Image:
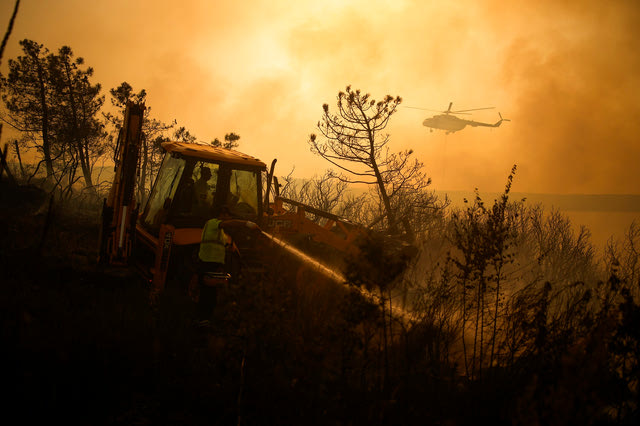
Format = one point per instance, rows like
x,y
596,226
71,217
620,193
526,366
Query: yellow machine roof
x,y
208,152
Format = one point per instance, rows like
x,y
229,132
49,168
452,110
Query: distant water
x,y
605,215
604,224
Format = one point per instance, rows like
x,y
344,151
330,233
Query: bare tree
x,y
354,141
483,239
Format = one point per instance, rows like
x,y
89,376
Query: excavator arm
x,y
336,232
119,212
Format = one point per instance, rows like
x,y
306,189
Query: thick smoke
x,y
575,88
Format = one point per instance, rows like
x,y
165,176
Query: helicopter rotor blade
x,y
439,111
448,110
423,109
474,109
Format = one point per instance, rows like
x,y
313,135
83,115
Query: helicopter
x,y
448,121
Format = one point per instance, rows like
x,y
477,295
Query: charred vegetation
x,y
85,344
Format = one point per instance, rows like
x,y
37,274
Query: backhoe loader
x,y
195,183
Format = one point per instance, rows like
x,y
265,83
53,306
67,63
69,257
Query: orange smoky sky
x,y
565,73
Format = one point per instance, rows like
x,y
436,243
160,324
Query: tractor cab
x,y
195,183
198,182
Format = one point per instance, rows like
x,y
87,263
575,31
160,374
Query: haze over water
x,y
605,215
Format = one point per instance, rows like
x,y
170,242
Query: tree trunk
x,y
393,227
81,143
17,148
9,29
84,165
46,143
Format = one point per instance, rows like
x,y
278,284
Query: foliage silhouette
x,y
354,142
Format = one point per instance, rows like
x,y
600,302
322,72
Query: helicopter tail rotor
x,y
500,121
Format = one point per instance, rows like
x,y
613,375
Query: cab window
x,y
201,186
242,199
163,191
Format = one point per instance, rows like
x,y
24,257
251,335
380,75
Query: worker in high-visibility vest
x,y
211,256
213,243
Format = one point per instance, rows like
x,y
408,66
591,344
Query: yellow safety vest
x,y
212,245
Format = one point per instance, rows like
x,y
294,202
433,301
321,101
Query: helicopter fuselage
x,y
447,122
451,123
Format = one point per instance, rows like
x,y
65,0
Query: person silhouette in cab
x,y
202,192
